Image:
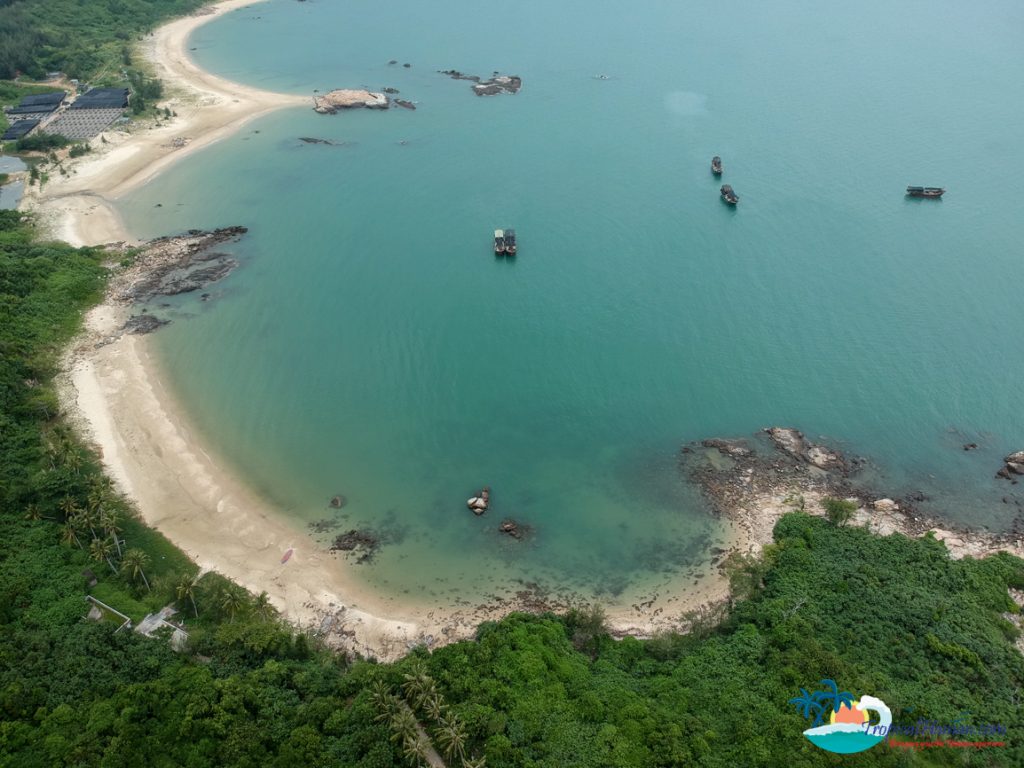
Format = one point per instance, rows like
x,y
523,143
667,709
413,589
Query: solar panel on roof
x,y
32,109
19,129
102,98
54,98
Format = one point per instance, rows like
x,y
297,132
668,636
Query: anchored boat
x,y
925,191
499,241
729,196
510,242
716,165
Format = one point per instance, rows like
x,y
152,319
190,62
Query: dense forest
x,y
85,39
892,617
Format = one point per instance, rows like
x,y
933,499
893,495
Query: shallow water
x,y
372,345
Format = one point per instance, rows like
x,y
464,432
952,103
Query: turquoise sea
x,y
372,345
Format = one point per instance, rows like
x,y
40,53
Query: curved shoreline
x,y
113,390
78,208
116,391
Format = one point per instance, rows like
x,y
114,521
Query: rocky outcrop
x,y
755,489
1013,467
495,85
363,543
173,265
478,504
792,441
346,98
140,324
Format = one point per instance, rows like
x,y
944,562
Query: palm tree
x,y
434,705
807,703
69,533
262,607
415,749
451,735
416,681
100,549
835,697
68,506
231,600
187,587
480,762
32,513
111,523
380,692
403,723
133,562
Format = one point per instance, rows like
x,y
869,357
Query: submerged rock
x,y
495,85
364,543
338,501
140,324
734,448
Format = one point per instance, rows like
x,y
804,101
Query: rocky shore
x,y
168,266
752,482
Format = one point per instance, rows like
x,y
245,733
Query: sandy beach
x,y
113,391
77,208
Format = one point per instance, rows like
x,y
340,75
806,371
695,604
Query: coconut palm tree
x,y
262,607
807,703
69,533
100,550
110,522
187,587
414,749
480,762
451,735
133,562
433,705
232,599
32,513
403,723
416,681
68,507
836,698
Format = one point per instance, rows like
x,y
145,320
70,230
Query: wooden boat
x,y
728,195
510,242
716,165
499,241
925,192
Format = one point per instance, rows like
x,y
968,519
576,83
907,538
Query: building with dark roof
x,y
102,98
18,130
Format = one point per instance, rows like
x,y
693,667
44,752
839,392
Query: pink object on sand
x,y
287,555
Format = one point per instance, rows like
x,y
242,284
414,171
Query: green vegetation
x,y
83,40
41,142
892,617
838,511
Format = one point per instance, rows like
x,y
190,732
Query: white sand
x,y
76,208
